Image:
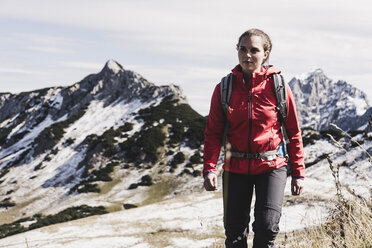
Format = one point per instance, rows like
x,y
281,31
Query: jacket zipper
x,y
270,144
250,109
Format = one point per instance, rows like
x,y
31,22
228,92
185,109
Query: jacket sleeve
x,y
295,146
213,133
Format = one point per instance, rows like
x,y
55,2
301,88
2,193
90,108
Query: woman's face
x,y
251,54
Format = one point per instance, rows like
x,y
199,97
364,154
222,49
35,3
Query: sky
x,y
47,43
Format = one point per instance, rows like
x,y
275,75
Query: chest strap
x,y
267,156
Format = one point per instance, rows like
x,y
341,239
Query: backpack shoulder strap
x,y
281,98
226,88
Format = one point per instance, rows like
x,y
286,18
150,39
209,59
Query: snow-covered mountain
x,y
321,101
116,140
107,138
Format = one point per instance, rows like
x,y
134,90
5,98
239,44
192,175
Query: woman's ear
x,y
266,56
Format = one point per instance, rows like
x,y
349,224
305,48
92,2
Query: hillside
x,y
195,220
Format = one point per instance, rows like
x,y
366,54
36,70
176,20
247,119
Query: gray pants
x,y
237,196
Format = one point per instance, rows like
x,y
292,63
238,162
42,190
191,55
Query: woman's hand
x,y
210,182
297,186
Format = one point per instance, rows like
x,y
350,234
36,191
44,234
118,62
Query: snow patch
x,y
360,104
57,100
68,174
6,122
98,118
185,242
16,129
29,137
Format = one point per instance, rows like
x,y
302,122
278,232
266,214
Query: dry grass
x,y
348,225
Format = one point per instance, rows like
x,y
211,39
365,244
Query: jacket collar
x,y
257,77
265,71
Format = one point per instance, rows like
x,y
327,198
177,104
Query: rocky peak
x,y
112,66
114,83
315,73
320,101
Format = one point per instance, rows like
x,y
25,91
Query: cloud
x,y
203,30
13,70
41,39
81,65
42,43
47,49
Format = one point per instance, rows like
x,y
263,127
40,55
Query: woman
x,y
253,127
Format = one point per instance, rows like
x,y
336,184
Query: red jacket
x,y
253,126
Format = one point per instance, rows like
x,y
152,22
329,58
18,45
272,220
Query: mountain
x,y
321,101
104,141
115,142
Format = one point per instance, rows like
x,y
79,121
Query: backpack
x,y
281,107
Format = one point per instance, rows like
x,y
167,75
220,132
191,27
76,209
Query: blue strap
x,y
206,174
281,150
